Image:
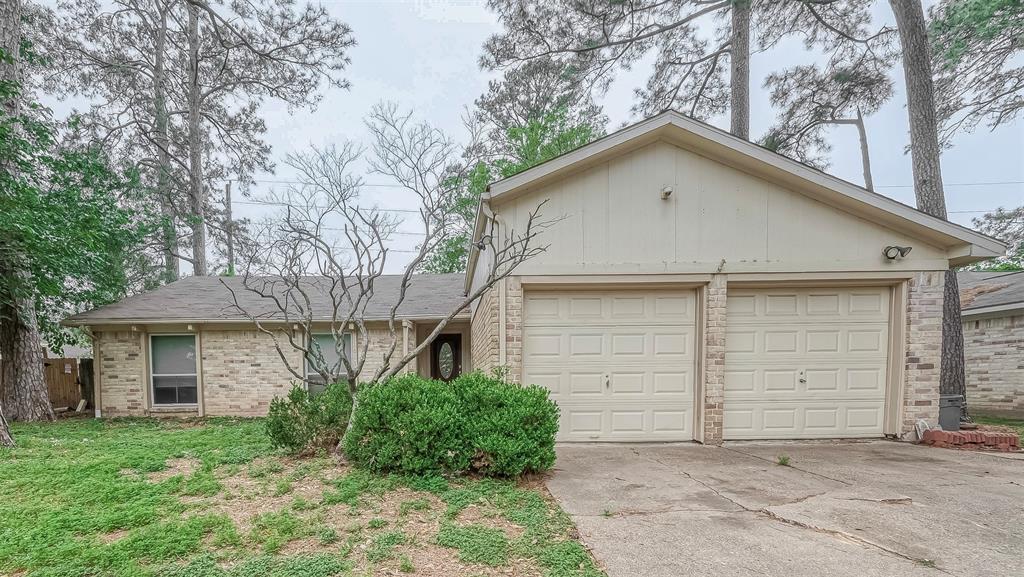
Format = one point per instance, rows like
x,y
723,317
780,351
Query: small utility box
x,y
949,412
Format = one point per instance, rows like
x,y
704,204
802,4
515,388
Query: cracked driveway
x,y
840,508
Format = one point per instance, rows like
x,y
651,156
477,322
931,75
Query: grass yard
x,y
212,499
1015,424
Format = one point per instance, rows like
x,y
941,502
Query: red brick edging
x,y
972,440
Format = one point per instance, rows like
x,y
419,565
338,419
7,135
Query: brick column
x,y
514,328
924,349
714,358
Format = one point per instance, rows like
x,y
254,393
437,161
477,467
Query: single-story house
x,y
993,320
696,287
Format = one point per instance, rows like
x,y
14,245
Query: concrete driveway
x,y
845,508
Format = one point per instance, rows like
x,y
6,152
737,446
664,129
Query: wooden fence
x,y
62,380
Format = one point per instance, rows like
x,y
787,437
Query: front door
x,y
446,357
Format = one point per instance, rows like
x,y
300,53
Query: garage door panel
x,y
609,308
620,364
851,381
625,422
559,346
806,363
798,340
758,419
637,382
815,305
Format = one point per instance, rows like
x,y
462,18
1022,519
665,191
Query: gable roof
x,y
965,245
983,292
203,299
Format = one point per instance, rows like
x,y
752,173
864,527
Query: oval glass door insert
x,y
446,360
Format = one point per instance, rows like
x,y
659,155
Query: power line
x,y
993,183
273,203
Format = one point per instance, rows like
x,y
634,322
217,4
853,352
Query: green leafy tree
x,y
1008,226
976,57
66,234
542,138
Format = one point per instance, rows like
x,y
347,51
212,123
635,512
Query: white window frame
x,y
152,388
305,358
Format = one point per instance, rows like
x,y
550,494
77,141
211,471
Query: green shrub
x,y
305,422
475,423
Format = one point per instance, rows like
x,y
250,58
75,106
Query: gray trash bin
x,y
949,412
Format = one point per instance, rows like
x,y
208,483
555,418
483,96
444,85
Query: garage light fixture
x,y
483,242
894,252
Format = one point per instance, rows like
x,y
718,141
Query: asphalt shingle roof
x,y
981,289
199,299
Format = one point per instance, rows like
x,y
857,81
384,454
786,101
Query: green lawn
x,y
1017,424
211,498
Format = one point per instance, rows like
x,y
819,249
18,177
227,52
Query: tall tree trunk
x,y
24,393
197,197
163,179
6,440
925,157
739,82
26,397
865,158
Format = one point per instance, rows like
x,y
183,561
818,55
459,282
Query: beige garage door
x,y
806,363
619,364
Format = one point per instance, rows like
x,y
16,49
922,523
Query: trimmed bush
x,y
475,423
305,422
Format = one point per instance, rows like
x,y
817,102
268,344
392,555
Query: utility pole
x,y
230,229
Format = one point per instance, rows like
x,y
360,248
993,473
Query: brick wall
x,y
714,358
484,332
924,349
514,328
242,371
122,373
994,359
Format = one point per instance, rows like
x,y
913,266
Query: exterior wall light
x,y
666,192
894,252
483,242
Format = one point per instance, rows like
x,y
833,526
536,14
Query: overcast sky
x,y
423,55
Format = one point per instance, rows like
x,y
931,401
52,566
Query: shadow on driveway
x,y
839,508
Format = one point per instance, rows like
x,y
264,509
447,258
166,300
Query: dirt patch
x,y
243,498
489,517
436,561
113,536
184,466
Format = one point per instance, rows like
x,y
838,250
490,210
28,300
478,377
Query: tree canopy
x,y
67,219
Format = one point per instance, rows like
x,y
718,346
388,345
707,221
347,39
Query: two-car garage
x,y
622,365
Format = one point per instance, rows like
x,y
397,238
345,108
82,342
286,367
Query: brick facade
x,y
924,349
714,358
514,328
994,360
484,332
241,371
122,369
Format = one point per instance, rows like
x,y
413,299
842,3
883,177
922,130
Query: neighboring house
x,y
993,321
696,287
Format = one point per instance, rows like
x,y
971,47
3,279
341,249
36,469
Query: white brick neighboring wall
x,y
924,349
994,361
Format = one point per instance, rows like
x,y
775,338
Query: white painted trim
x,y
241,323
993,309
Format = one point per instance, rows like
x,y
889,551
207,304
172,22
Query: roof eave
x,y
73,322
995,310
